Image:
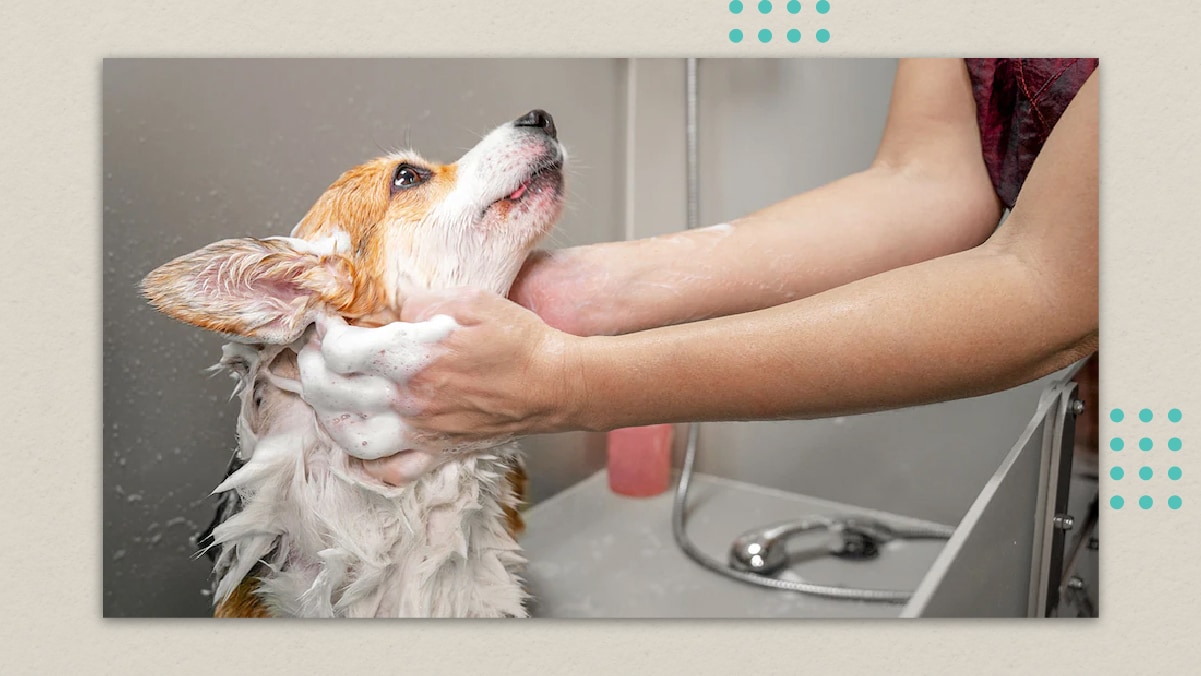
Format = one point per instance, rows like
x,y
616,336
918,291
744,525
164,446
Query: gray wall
x,y
199,150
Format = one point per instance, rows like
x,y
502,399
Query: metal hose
x,y
679,506
681,538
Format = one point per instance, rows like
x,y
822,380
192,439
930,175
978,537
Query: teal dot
x,y
794,35
1145,415
1174,473
1144,443
736,8
1174,415
1116,502
1174,444
764,35
823,35
764,7
794,7
1145,474
1117,473
1116,415
1145,502
823,7
1117,444
1174,502
735,35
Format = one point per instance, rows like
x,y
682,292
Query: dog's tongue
x,y
516,194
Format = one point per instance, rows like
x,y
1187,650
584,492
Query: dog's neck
x,y
328,541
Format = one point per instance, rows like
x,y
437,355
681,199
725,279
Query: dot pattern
x,y
766,8
1146,473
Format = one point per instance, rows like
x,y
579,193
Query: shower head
x,y
764,551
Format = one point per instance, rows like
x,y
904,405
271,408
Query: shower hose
x,y
679,506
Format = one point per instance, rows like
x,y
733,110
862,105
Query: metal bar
x,y
691,132
1059,521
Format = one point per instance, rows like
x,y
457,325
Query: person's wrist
x,y
567,405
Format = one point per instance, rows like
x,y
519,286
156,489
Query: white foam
x,y
350,375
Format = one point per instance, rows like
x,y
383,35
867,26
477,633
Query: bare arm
x,y
1018,307
926,327
927,194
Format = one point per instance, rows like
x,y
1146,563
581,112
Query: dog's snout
x,y
539,119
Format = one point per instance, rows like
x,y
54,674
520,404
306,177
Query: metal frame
x,y
998,563
1053,521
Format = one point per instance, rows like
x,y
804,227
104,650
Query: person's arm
x,y
926,194
1019,307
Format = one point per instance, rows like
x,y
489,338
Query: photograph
x,y
612,338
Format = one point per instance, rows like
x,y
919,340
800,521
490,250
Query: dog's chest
x,y
439,548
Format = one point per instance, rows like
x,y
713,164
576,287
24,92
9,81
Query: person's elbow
x,y
959,207
1058,273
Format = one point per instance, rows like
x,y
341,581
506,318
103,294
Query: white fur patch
x,y
337,544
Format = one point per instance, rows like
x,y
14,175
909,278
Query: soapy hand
x,y
349,374
502,372
455,371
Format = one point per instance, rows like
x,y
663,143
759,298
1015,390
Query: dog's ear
x,y
264,290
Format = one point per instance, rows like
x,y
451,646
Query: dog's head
x,y
391,224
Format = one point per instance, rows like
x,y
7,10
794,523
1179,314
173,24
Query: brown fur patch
x,y
361,204
243,602
520,482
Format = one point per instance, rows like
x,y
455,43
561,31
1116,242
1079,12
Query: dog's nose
x,y
539,119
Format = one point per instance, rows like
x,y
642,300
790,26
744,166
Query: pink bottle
x,y
640,460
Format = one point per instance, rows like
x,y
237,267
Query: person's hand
x,y
503,372
552,285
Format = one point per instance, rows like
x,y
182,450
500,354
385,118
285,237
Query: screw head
x,y
1077,407
1064,521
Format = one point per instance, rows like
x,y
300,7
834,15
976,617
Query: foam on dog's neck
x,y
349,376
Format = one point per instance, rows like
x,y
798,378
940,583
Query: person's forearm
x,y
869,222
1019,307
963,325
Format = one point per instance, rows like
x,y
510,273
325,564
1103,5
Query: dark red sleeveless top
x,y
1018,102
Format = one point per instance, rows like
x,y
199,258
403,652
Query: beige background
x,y
50,188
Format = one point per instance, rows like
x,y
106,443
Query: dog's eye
x,y
406,176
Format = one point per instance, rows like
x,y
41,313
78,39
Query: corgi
x,y
303,530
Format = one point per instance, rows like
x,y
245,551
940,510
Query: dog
x,y
303,530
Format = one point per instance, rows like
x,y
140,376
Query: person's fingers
x,y
384,470
419,306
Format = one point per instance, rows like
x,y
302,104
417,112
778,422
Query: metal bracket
x,y
1053,521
